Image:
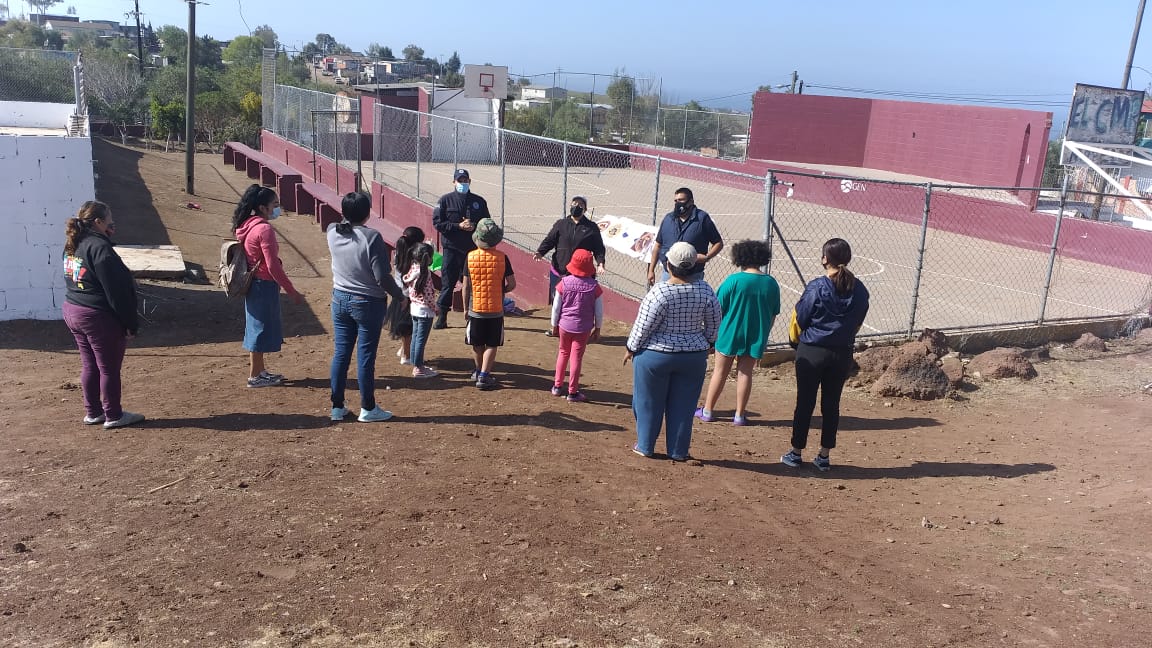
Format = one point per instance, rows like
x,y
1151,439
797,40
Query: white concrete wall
x,y
43,182
26,114
479,142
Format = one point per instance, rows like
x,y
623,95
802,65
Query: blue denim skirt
x,y
263,332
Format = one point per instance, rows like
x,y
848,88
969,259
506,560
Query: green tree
x,y
453,64
533,121
42,6
326,43
378,52
569,122
244,51
413,53
167,119
209,53
215,112
173,44
22,34
267,36
622,96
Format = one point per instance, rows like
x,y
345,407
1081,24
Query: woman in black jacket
x,y
100,310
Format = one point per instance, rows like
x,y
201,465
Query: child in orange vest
x,y
487,277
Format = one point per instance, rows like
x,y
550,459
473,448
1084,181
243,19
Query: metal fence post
x,y
455,146
656,192
769,210
565,181
360,155
920,258
503,174
418,144
1052,251
377,124
314,177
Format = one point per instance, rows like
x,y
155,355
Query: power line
x,y
1006,100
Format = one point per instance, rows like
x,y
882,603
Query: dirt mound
x,y
1002,363
913,373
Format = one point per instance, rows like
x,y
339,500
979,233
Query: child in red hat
x,y
577,314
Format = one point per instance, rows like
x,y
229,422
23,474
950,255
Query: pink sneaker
x,y
424,372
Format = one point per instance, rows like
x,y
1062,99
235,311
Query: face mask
x,y
680,209
576,211
462,187
275,214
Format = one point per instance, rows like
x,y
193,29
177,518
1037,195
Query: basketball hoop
x,y
486,83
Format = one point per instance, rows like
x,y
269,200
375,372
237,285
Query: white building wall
x,y
479,139
43,182
27,114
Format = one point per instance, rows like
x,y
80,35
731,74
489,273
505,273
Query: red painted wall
x,y
969,144
809,128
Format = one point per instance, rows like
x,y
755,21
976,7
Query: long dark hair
x,y
404,245
356,208
422,257
80,225
254,197
837,254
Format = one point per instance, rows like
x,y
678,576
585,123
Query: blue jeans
x,y
421,327
665,388
356,320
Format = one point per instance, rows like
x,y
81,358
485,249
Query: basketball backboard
x,y
486,81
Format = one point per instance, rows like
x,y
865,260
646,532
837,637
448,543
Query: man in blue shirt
x,y
686,222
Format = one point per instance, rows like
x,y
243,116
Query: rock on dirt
x,y
1089,342
1002,363
953,368
913,373
936,342
872,362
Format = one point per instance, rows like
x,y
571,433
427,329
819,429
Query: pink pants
x,y
570,356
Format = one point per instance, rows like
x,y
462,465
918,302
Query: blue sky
x,y
1007,50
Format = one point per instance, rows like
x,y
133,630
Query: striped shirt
x,y
676,318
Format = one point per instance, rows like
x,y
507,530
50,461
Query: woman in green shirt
x,y
750,301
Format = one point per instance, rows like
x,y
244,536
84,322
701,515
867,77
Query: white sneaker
x,y
424,372
126,419
338,413
374,415
93,420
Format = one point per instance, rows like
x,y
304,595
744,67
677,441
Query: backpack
x,y
235,275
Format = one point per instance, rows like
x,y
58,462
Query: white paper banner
x,y
628,236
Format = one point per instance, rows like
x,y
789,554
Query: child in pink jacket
x,y
577,314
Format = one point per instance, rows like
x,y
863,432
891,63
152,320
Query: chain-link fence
x,y
43,76
327,124
950,257
707,132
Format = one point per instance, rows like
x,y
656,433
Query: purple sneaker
x,y
576,397
739,420
707,418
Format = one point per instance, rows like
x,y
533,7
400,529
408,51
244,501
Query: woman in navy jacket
x,y
829,313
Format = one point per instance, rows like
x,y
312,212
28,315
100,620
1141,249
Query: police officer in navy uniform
x,y
455,218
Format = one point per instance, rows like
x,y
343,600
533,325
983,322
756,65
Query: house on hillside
x,y
105,29
542,93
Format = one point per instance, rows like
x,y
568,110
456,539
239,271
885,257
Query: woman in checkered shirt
x,y
669,346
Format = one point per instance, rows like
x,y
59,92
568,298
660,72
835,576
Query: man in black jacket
x,y
455,218
575,232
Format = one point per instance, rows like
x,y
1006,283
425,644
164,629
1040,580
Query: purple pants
x,y
101,340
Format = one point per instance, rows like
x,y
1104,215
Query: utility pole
x,y
139,38
190,106
795,78
1132,46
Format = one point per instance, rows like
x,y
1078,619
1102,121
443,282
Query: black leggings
x,y
825,369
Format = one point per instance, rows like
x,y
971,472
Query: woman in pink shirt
x,y
263,332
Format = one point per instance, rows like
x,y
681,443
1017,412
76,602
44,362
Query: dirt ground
x,y
1017,514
